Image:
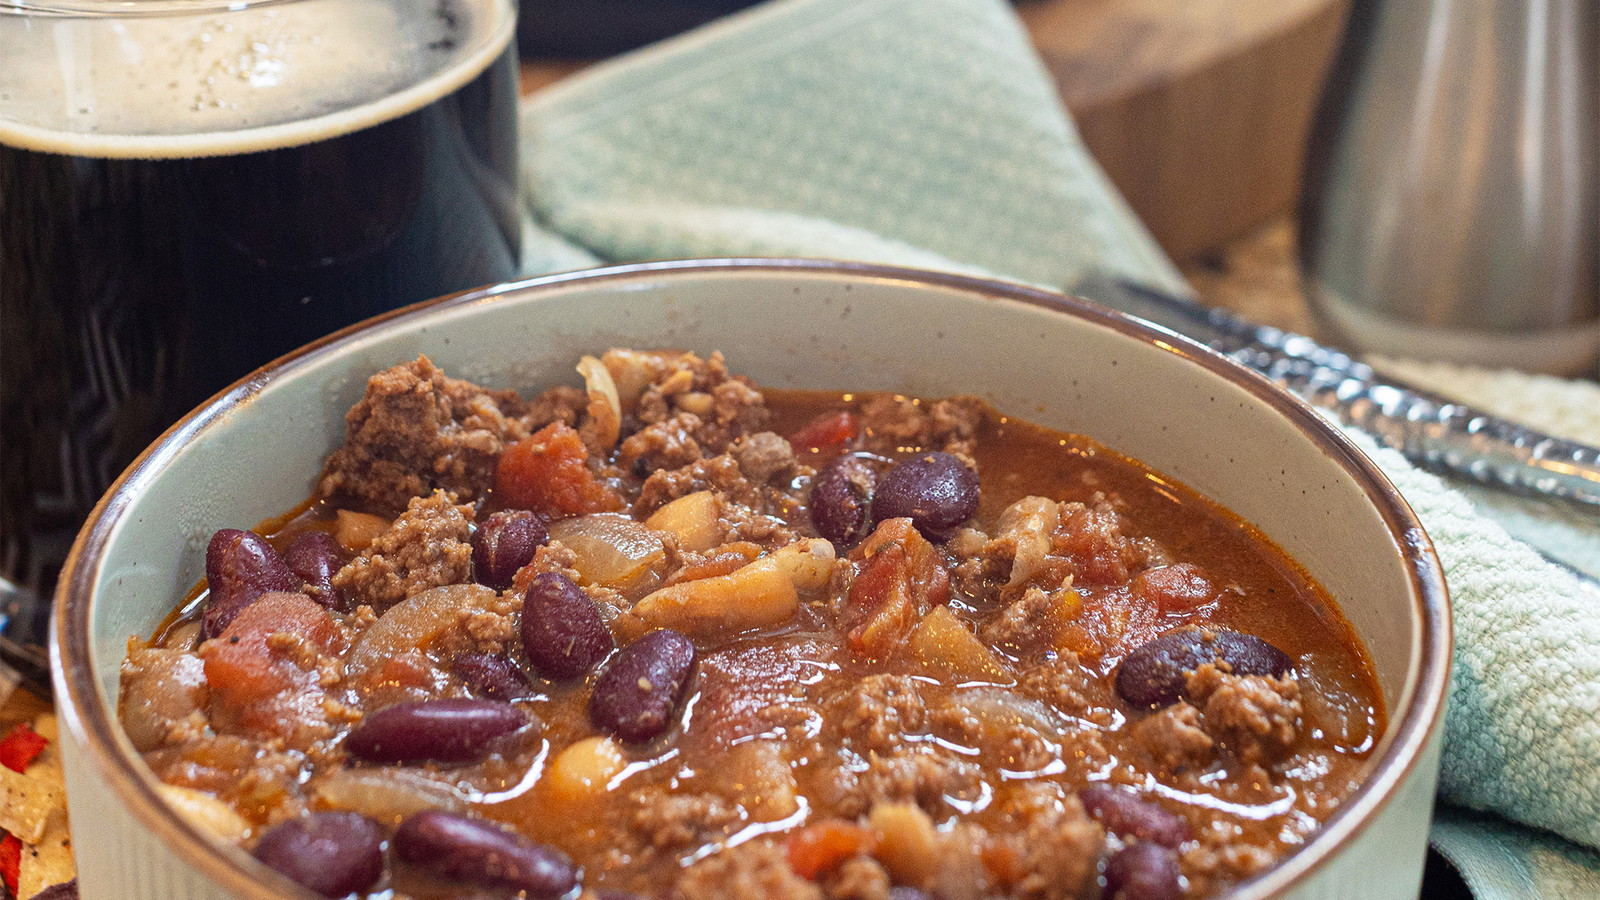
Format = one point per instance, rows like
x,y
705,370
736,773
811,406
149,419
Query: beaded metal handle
x,y
1431,431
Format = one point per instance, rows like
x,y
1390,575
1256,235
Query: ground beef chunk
x,y
426,547
1022,749
715,407
651,407
678,821
562,403
857,878
668,444
1218,856
879,712
1175,738
1255,717
1030,624
718,473
164,697
737,409
1088,747
1065,684
955,723
767,531
416,431
921,776
1055,844
755,869
554,557
889,421
765,457
956,421
750,512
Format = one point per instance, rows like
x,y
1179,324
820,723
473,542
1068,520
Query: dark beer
x,y
142,271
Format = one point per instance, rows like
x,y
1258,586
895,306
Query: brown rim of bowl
x,y
1395,757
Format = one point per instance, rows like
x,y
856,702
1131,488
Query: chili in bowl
x,y
657,628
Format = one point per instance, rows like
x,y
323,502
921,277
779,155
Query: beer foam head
x,y
230,81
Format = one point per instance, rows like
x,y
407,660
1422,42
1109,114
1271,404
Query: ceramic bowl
x,y
255,450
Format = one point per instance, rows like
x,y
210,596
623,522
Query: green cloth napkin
x,y
918,132
927,133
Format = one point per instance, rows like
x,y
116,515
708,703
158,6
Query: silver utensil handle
x,y
1441,434
1430,430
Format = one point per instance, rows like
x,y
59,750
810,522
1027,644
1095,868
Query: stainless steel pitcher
x,y
1450,205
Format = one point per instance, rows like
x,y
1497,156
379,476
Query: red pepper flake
x,y
10,861
20,747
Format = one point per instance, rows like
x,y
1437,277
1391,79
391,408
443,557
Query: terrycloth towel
x,y
927,133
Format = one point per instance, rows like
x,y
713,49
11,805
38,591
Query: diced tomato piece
x,y
259,687
1178,588
1092,538
548,472
901,578
833,429
740,686
822,846
20,746
10,861
243,668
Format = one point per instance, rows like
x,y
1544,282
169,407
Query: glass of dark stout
x,y
190,188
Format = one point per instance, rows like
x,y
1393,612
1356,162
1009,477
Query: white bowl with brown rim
x,y
255,451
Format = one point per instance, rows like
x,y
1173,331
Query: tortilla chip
x,y
45,725
27,799
26,802
48,862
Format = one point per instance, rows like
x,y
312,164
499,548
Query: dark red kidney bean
x,y
315,557
639,693
490,675
452,730
1152,675
1125,814
483,853
332,853
838,502
563,634
935,490
1143,871
240,567
504,543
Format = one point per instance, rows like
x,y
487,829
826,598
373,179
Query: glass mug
x,y
190,188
